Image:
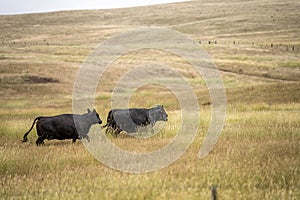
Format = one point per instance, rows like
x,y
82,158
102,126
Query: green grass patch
x,y
291,64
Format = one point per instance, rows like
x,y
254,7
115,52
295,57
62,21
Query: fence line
x,y
271,45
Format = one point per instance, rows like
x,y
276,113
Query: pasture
x,y
256,46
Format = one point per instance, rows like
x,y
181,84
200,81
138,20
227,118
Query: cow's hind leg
x,y
107,130
111,131
116,132
40,140
41,137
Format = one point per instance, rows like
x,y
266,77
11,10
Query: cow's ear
x,y
88,110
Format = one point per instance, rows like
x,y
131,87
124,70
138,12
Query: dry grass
x,y
257,155
254,158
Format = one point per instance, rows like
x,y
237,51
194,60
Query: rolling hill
x,y
256,47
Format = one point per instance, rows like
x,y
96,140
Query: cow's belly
x,y
60,136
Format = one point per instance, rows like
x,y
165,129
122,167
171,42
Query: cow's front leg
x,y
87,138
75,136
74,139
152,129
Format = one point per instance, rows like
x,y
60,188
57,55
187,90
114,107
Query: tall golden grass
x,y
257,155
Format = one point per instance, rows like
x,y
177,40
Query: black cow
x,y
63,126
130,119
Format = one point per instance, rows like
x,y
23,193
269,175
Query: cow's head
x,y
158,113
94,117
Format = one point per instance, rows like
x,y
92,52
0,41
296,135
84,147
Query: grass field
x,y
256,46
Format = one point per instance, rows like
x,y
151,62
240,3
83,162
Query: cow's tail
x,y
108,121
104,125
25,135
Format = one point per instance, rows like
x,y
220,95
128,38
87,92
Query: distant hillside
x,y
253,43
275,20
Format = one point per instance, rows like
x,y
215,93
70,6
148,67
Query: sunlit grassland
x,y
255,157
257,154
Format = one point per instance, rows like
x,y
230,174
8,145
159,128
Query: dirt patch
x,y
38,80
16,80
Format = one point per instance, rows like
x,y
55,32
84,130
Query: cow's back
x,y
129,119
57,127
140,116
